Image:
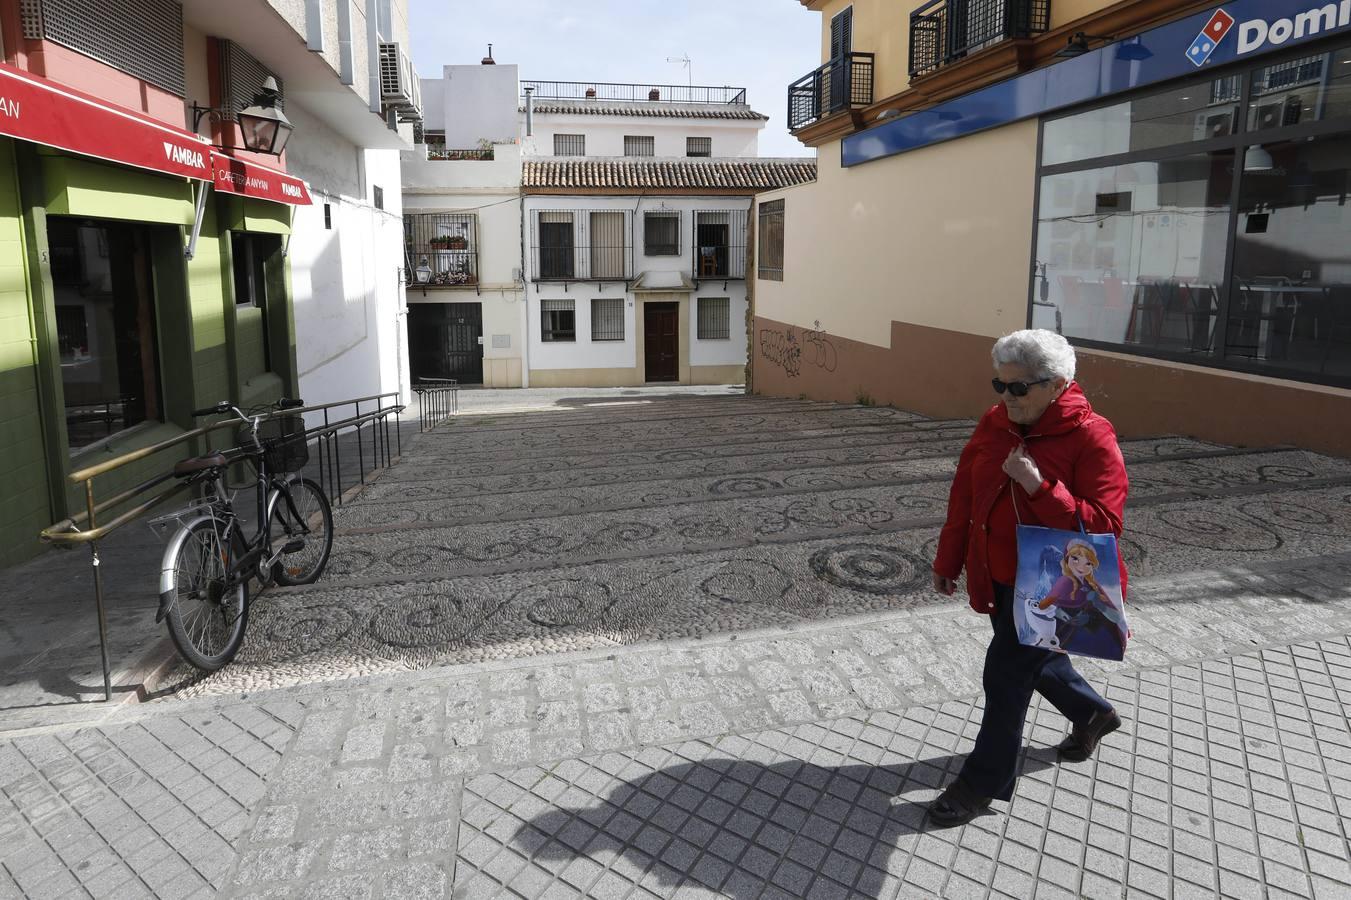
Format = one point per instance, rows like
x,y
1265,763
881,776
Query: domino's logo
x,y
1210,38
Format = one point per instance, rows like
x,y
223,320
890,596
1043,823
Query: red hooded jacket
x,y
1083,478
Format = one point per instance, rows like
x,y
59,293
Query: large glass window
x,y
1134,254
1290,297
1233,252
106,329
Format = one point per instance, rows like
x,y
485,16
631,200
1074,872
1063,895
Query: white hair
x,y
1043,353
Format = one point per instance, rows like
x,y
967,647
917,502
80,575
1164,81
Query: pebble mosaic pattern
x,y
505,536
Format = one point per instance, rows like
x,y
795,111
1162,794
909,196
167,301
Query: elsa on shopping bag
x,y
1087,619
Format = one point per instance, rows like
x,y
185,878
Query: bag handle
x,y
1013,495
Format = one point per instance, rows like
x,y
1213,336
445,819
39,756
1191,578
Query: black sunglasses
x,y
1016,388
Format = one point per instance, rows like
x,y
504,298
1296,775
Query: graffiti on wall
x,y
784,349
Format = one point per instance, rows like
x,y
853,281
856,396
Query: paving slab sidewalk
x,y
771,765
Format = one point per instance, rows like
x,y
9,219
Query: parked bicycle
x,y
207,566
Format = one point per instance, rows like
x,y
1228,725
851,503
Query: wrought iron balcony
x,y
843,83
943,32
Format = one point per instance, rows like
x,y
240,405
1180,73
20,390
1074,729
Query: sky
x,y
761,45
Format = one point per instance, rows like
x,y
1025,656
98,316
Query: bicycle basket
x,y
284,446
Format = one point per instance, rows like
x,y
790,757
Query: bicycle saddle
x,y
186,467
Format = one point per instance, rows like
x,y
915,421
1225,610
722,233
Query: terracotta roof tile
x,y
751,174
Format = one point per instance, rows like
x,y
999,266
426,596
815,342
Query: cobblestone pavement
x,y
641,518
757,714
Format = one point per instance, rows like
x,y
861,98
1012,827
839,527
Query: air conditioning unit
x,y
400,88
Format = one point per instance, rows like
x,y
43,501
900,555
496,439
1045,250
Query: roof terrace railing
x,y
664,93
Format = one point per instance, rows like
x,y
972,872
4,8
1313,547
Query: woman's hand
x,y
1023,469
945,586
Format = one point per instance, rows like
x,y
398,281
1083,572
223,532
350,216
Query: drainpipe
x,y
529,111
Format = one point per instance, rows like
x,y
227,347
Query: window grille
x,y
638,145
769,241
582,244
661,234
720,243
715,319
569,145
558,321
698,146
607,319
445,243
378,196
143,38
241,79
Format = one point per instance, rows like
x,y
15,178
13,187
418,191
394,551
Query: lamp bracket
x,y
201,112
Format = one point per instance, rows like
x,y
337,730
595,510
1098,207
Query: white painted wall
x,y
588,354
605,134
350,340
472,103
490,190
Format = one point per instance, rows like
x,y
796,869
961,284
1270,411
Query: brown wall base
x,y
946,374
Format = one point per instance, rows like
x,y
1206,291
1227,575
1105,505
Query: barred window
x,y
769,241
607,319
715,315
639,145
569,145
661,234
698,146
558,321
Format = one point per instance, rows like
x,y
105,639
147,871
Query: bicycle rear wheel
x,y
206,620
306,525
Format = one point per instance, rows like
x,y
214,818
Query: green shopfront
x,y
128,297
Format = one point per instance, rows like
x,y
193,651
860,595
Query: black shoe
x,y
957,805
1084,739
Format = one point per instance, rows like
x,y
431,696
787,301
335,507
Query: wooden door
x,y
661,341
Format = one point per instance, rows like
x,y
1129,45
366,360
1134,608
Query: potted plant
x,y
457,242
591,93
654,94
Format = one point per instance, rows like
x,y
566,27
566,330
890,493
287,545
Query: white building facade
x,y
462,231
635,227
353,99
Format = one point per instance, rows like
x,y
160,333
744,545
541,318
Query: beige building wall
x,y
938,237
881,27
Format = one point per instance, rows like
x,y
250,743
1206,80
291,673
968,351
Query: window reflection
x,y
1135,254
105,322
1309,89
1290,303
1197,112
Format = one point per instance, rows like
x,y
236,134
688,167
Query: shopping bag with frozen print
x,y
1068,593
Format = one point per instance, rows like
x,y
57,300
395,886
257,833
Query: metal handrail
x,y
618,91
84,528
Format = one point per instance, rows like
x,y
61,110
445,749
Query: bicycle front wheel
x,y
302,528
206,619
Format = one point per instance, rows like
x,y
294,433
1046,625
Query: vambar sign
x,y
1257,33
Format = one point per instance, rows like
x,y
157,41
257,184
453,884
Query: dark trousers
x,y
1012,673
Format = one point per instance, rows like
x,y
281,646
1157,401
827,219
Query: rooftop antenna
x,y
687,63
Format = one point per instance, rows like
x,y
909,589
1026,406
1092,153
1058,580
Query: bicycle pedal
x,y
294,545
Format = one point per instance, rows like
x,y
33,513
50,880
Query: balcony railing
x,y
943,32
581,245
719,244
443,248
665,93
843,83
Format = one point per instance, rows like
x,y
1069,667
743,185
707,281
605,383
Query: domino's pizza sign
x,y
1258,33
1210,37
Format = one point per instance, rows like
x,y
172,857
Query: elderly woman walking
x,y
1040,457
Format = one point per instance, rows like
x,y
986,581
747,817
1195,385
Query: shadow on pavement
x,y
737,826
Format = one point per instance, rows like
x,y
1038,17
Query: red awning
x,y
35,109
234,176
